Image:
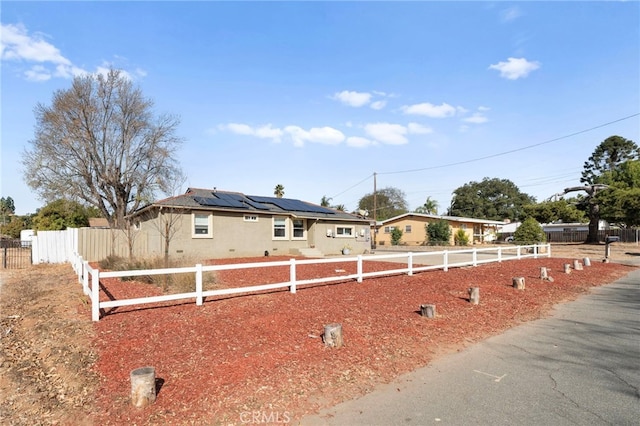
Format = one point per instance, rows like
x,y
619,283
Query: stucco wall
x,y
232,236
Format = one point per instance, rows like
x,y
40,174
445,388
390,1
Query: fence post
x,y
359,268
475,257
4,258
292,276
410,264
445,260
199,284
85,278
499,254
95,295
548,249
518,252
535,251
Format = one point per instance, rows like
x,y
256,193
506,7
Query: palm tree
x,y
278,191
429,207
325,201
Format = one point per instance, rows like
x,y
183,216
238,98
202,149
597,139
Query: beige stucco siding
x,y
230,235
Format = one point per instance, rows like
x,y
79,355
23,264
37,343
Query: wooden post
x,y
543,273
143,386
577,265
474,295
567,268
518,283
428,311
587,261
332,335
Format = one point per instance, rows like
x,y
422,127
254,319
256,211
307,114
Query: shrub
x,y
438,233
529,232
396,236
173,283
461,238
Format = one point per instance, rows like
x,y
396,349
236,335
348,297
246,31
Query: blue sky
x,y
320,96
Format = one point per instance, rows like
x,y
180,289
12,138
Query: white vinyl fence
x,y
90,277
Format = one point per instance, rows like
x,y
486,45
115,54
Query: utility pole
x,y
375,211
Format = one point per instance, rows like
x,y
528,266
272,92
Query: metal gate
x,y
16,254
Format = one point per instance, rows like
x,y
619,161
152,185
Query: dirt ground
x,y
237,356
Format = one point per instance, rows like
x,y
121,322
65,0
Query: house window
x,y
250,218
388,229
202,224
407,229
463,226
279,228
344,231
298,229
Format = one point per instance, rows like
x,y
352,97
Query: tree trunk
x,y
428,311
143,386
594,222
544,274
567,268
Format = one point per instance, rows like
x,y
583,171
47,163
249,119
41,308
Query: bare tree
x,y
99,143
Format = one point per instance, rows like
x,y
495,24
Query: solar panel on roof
x,y
219,202
291,204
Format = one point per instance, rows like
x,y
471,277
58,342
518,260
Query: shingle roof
x,y
212,199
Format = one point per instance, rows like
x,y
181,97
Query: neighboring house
x,y
413,226
208,223
98,222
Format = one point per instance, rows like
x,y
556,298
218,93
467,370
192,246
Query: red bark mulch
x,y
264,352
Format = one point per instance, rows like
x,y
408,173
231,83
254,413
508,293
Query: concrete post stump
x,y
143,386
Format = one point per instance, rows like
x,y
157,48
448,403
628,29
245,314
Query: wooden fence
x,y
93,244
90,277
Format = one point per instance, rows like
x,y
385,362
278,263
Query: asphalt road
x,y
581,366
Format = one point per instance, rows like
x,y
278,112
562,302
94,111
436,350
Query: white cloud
x,y
515,68
17,45
323,135
476,118
430,110
483,108
419,129
264,132
510,14
354,99
387,133
358,142
378,105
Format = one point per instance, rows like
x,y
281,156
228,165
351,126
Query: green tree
x,y
389,202
278,191
7,209
554,211
492,199
620,203
61,214
438,232
99,143
325,201
529,232
396,236
603,166
13,228
430,206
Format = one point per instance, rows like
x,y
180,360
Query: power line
x,y
492,155
511,151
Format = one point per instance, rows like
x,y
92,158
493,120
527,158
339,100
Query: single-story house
x,y
414,233
209,223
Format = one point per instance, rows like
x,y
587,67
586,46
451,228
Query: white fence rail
x,y
90,277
